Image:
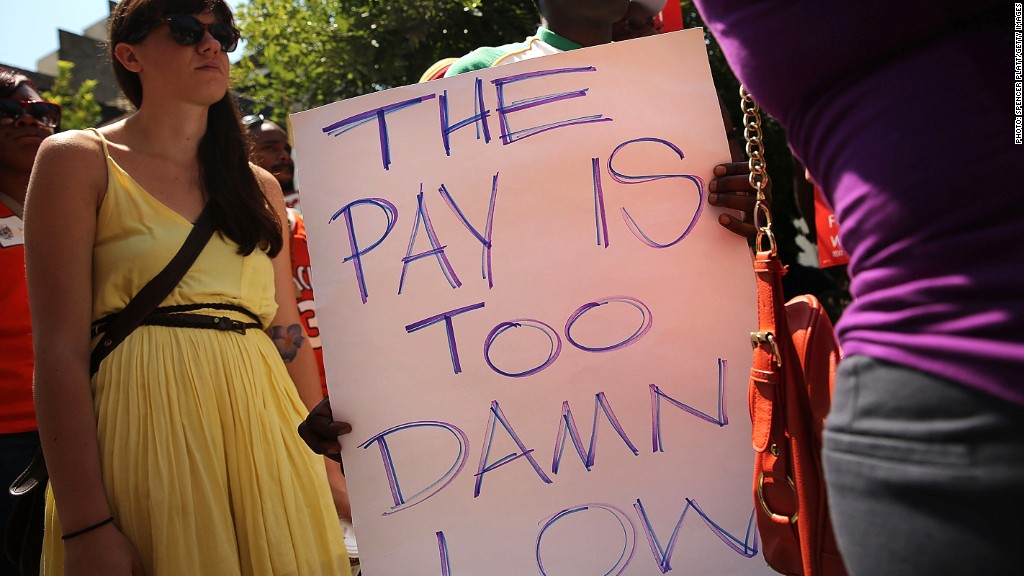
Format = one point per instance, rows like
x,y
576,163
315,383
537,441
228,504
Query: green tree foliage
x,y
79,106
305,53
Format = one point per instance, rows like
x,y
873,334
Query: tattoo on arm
x,y
288,340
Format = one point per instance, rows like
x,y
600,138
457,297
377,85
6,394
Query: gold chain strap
x,y
758,169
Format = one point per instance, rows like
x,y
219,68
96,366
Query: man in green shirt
x,y
564,25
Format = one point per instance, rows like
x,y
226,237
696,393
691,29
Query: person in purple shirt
x,y
903,111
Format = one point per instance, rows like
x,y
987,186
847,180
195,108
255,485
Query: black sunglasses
x,y
46,113
189,31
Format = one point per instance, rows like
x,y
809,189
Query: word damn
x,y
497,422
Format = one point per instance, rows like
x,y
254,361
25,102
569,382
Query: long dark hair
x,y
239,208
10,80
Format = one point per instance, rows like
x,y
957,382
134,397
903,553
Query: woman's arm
x,y
290,337
65,191
286,328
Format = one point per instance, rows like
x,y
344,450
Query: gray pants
x,y
925,476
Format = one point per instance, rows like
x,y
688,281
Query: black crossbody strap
x,y
154,292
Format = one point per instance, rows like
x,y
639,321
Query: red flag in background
x,y
671,17
830,252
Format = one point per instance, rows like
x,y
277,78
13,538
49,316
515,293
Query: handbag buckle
x,y
758,338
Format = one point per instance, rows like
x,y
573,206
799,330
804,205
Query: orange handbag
x,y
790,393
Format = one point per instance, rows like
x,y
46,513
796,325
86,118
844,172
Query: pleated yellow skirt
x,y
203,468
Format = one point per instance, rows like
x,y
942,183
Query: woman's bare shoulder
x,y
72,149
266,180
269,185
70,166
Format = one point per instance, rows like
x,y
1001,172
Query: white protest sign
x,y
532,319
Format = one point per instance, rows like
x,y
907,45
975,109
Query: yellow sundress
x,y
204,471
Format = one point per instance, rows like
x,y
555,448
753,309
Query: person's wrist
x,y
87,529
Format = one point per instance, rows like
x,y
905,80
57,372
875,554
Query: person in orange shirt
x,y
271,150
25,120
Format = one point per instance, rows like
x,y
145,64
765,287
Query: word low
x,y
572,558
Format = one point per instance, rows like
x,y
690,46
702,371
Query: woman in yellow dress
x,y
179,456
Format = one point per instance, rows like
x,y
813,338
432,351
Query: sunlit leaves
x,y
304,53
79,108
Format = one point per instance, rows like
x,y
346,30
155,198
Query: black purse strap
x,y
150,296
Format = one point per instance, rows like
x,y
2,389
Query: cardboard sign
x,y
532,319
